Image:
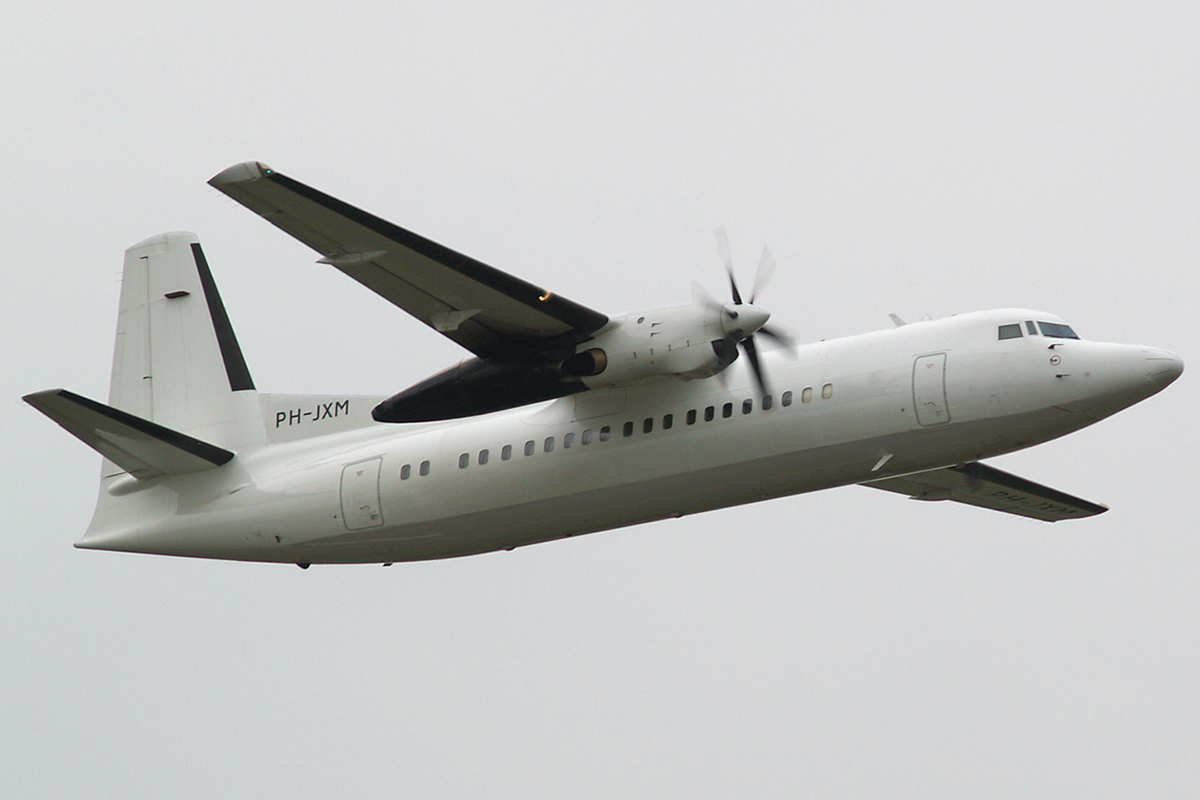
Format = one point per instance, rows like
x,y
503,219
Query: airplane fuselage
x,y
844,411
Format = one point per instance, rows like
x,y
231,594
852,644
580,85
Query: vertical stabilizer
x,y
176,361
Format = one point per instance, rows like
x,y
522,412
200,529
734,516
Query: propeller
x,y
742,320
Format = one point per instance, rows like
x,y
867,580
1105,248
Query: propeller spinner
x,y
742,320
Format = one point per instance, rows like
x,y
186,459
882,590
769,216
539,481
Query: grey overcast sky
x,y
917,158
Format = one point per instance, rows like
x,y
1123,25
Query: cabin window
x,y
424,470
1057,331
463,460
691,416
827,391
708,414
786,399
1012,331
1029,326
483,457
628,431
548,445
766,402
586,436
668,421
747,406
727,410
406,472
506,452
605,433
568,440
806,395
530,446
647,424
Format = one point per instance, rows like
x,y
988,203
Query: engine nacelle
x,y
695,341
688,342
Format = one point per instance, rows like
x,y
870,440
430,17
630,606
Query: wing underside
x,y
980,485
488,311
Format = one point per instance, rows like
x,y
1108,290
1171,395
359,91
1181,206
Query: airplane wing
x,y
978,484
489,312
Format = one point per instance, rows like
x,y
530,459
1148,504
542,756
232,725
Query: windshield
x,y
1057,330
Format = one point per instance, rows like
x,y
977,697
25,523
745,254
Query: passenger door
x,y
929,390
360,495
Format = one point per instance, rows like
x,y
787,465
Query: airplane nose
x,y
1164,366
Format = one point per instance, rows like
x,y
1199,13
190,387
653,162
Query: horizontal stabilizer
x,y
142,448
977,484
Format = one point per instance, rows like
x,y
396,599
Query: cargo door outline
x,y
360,495
929,390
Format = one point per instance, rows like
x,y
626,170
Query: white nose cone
x,y
742,321
1164,366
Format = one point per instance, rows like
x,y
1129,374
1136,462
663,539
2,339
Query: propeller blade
x,y
766,268
755,366
723,247
735,327
723,379
784,338
702,297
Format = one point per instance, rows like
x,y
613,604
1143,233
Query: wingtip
x,y
36,399
240,173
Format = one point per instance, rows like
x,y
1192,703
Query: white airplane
x,y
565,421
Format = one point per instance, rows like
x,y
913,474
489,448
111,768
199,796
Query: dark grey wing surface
x,y
487,311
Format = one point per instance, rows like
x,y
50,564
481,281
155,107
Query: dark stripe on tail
x,y
231,353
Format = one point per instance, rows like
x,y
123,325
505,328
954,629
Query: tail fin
x,y
176,361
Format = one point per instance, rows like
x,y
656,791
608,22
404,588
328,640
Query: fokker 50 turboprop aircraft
x,y
564,421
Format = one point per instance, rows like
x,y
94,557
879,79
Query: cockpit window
x,y
1010,331
1029,326
1056,330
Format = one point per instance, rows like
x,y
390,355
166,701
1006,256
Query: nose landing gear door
x,y
929,390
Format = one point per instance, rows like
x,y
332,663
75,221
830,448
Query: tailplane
x,y
182,409
181,398
176,361
139,447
